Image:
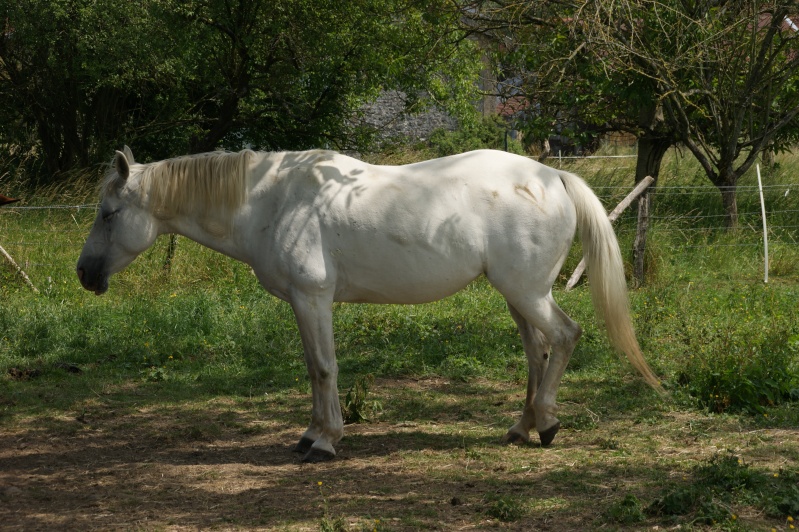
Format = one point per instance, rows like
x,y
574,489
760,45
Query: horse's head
x,y
123,229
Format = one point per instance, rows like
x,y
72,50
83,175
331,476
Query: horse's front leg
x,y
314,314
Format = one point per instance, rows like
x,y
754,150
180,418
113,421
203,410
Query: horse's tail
x,y
606,273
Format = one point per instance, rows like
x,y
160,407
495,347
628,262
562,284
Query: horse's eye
x,y
107,217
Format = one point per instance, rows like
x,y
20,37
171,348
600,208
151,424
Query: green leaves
x,y
78,79
356,408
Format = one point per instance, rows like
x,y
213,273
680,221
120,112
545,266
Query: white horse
x,y
318,227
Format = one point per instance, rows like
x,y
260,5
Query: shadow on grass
x,y
152,474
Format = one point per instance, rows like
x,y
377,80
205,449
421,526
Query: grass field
x,y
171,402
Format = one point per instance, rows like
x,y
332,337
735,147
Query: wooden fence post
x,y
623,204
170,253
639,244
19,270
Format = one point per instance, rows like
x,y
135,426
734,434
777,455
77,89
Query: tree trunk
x,y
221,124
767,157
651,150
730,201
210,140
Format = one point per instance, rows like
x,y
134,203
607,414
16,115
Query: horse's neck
x,y
209,234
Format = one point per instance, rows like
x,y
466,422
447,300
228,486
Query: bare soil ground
x,y
226,464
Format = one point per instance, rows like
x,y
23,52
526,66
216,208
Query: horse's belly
x,y
400,293
406,275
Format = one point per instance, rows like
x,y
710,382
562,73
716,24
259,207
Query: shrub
x,y
490,132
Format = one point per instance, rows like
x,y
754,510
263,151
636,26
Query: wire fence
x,y
47,239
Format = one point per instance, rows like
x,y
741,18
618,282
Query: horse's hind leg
x,y
537,352
562,333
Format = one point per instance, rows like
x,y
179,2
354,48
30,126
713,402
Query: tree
x,y
719,77
169,76
724,73
293,73
543,54
68,81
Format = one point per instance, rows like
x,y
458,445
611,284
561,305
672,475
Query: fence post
x,y
22,274
639,245
170,253
765,228
623,204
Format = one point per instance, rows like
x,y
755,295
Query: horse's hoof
x,y
548,435
303,446
512,438
314,456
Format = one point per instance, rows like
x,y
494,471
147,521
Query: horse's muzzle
x,y
91,276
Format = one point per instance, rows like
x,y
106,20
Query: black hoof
x,y
303,446
548,435
514,438
314,456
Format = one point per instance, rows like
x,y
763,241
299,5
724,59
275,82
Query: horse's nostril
x,y
80,274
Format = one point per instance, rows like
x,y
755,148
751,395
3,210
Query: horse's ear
x,y
121,165
128,154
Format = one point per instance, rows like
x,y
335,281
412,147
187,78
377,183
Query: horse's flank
x,y
208,185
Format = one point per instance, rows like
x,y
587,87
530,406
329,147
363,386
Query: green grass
x,y
206,353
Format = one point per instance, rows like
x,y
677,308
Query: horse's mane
x,y
207,185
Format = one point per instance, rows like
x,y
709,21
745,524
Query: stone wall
x,y
387,114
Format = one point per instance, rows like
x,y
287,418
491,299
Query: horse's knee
x,y
323,370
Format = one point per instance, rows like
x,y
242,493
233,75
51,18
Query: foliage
x,y
330,524
725,76
505,507
487,133
747,370
735,345
168,77
356,407
724,384
542,55
720,79
73,75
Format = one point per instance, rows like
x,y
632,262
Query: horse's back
x,y
422,231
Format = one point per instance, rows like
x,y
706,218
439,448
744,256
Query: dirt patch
x,y
227,464
115,478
